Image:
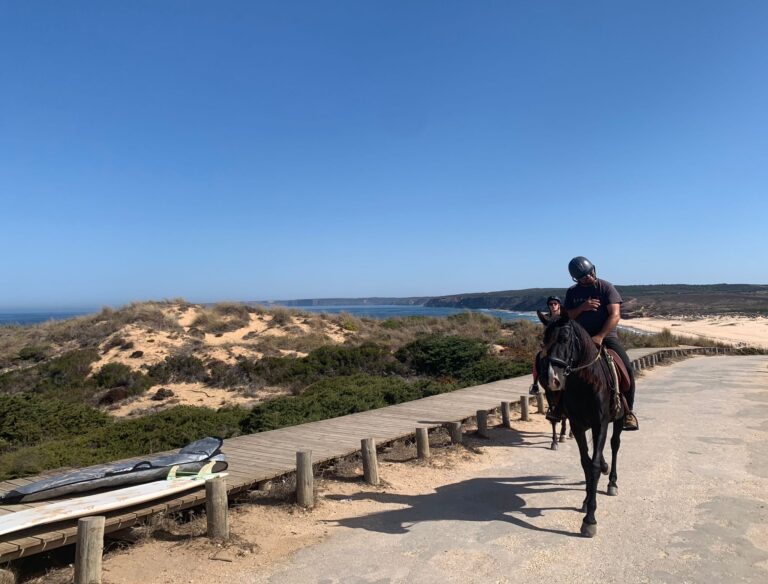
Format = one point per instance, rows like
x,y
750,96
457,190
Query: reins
x,y
569,368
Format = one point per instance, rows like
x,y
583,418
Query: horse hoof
x,y
554,446
562,438
613,490
588,529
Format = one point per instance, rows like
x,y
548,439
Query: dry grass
x,y
223,318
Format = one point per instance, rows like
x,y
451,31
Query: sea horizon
x,y
29,316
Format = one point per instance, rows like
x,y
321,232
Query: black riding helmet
x,y
579,267
554,299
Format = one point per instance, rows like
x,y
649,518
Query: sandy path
x,y
693,506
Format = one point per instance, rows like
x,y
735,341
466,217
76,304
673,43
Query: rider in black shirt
x,y
596,305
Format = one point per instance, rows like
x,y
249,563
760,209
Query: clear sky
x,y
276,150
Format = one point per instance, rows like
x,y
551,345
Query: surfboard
x,y
103,502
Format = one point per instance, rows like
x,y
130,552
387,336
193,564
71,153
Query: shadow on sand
x,y
480,499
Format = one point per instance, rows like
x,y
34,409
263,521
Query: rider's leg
x,y
535,387
630,420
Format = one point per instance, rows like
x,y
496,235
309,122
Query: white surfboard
x,y
103,502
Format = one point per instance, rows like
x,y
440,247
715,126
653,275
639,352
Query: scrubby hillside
x,y
154,376
128,381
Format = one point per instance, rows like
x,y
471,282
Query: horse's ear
x,y
542,317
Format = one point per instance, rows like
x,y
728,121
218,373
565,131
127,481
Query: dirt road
x,y
692,504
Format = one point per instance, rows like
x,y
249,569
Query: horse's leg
x,y
554,436
562,431
599,434
603,464
613,487
586,462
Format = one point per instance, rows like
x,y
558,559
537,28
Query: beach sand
x,y
735,330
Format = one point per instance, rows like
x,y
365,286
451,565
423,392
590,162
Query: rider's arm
x,y
614,315
588,305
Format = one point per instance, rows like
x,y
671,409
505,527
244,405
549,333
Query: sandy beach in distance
x,y
735,330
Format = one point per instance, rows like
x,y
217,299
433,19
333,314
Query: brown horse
x,y
569,362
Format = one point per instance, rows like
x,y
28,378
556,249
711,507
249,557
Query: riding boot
x,y
630,422
534,389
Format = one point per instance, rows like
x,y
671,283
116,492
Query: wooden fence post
x,y
505,421
370,462
217,508
454,428
305,481
88,550
524,408
482,423
422,443
540,403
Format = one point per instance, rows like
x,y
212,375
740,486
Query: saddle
x,y
621,370
620,385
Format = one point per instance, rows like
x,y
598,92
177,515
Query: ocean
x,y
365,310
20,317
390,311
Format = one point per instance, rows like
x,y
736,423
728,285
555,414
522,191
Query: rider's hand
x,y
590,305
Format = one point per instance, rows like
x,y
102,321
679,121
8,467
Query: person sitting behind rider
x,y
596,305
553,305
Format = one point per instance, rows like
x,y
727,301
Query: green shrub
x,y
29,419
91,443
243,373
327,361
36,353
330,398
490,369
119,375
20,380
178,369
442,355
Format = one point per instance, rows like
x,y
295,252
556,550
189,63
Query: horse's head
x,y
564,347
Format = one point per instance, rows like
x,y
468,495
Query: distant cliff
x,y
522,300
377,301
661,299
650,300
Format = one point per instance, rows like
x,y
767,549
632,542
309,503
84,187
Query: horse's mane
x,y
597,373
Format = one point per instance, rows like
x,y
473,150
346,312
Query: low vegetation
x,y
59,379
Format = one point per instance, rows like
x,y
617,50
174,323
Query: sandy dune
x,y
735,330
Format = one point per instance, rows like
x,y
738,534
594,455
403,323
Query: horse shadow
x,y
479,499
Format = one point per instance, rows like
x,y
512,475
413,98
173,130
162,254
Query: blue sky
x,y
265,150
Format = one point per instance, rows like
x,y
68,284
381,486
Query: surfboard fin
x,y
172,473
206,470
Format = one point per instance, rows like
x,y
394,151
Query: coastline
x,y
734,330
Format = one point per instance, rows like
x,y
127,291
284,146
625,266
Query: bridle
x,y
568,367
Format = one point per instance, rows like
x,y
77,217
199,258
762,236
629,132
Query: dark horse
x,y
570,362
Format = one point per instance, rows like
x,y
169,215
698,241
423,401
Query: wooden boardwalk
x,y
259,457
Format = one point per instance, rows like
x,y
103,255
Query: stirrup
x,y
534,389
630,422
